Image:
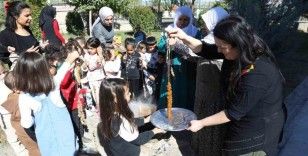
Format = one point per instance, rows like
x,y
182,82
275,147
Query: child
x,y
11,105
54,57
118,130
131,67
113,63
152,53
95,61
72,93
146,77
161,70
139,35
5,116
141,49
3,70
41,98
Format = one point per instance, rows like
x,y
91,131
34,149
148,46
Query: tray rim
x,y
176,108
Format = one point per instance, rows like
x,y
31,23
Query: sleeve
x,y
253,87
143,138
139,121
26,105
117,65
209,51
67,80
61,74
181,49
98,34
4,43
56,29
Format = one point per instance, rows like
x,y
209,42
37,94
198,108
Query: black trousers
x,y
135,87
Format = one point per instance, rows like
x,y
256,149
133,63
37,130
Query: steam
x,y
142,107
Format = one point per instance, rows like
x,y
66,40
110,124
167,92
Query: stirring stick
x,y
169,88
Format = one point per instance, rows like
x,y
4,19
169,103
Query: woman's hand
x,y
33,49
172,41
177,32
195,125
11,49
158,130
44,44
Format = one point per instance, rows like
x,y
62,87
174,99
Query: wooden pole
x,y
90,22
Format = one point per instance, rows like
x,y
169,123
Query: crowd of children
x,y
69,81
49,92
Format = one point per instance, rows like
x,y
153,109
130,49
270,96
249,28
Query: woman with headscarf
x,y
103,26
184,77
183,19
50,27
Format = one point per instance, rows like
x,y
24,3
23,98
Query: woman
x,y
183,81
103,26
50,27
17,36
254,90
184,19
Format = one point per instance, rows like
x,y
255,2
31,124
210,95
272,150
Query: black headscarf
x,y
47,16
48,13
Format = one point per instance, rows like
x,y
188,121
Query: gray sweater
x,y
104,33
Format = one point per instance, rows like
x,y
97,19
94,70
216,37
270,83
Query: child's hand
x,y
158,130
151,77
147,119
100,51
71,57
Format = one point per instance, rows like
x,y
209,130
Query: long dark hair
x,y
14,10
113,105
235,31
32,74
48,13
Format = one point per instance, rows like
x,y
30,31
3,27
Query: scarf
x,y
211,18
190,29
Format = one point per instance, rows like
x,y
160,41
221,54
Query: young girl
x,y
40,97
113,63
5,115
72,93
94,60
118,130
26,136
131,67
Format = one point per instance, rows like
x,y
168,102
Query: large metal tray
x,y
180,121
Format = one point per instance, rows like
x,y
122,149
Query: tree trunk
x,y
208,101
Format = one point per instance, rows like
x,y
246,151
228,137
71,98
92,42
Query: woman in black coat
x,y
253,89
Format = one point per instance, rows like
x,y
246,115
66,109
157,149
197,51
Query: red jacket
x,y
70,91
